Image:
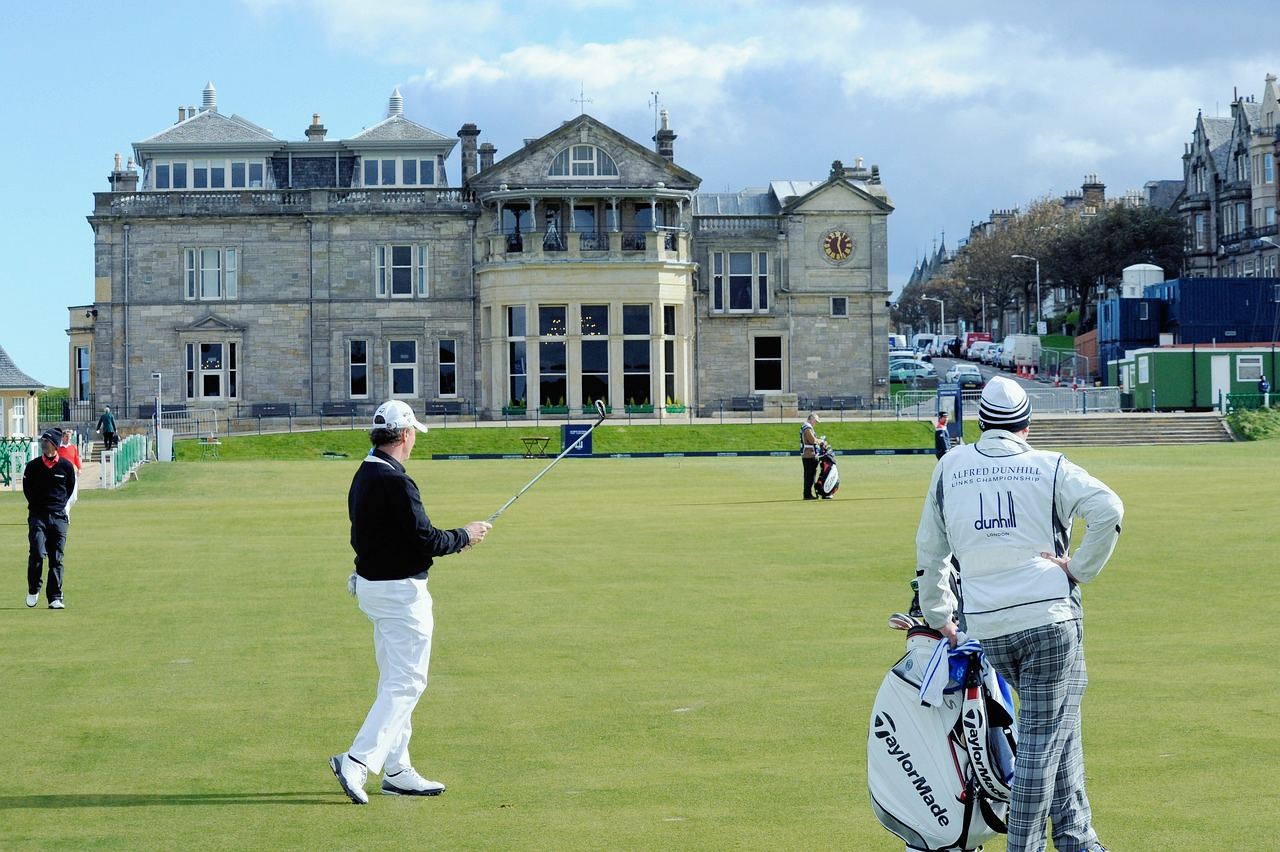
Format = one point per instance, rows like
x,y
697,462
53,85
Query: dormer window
x,y
579,161
399,171
207,174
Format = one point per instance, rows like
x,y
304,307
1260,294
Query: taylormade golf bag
x,y
939,775
828,479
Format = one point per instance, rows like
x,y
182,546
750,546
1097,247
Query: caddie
x,y
1005,511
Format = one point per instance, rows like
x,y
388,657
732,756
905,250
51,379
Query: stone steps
x,y
1108,430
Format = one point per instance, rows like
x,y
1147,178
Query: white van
x,y
922,342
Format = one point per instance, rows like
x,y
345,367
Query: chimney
x,y
487,152
1095,193
666,140
210,98
182,114
123,180
316,132
468,135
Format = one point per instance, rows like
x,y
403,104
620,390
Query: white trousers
x,y
402,622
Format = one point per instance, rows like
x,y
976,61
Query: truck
x,y
970,338
1021,350
897,341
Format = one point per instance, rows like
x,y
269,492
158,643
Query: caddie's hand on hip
x,y
1062,562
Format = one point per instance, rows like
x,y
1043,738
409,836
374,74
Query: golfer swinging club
x,y
1005,511
394,543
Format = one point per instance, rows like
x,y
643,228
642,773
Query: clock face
x,y
837,245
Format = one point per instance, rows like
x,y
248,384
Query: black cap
x,y
53,436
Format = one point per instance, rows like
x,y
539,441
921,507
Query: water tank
x,y
1136,278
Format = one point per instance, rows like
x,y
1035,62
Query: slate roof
x,y
748,202
11,378
211,126
397,128
1163,194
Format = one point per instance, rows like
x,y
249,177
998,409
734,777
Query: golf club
x,y
600,411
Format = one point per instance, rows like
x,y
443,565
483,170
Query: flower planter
x,y
675,409
554,409
639,409
513,411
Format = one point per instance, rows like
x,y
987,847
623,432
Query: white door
x,y
1220,376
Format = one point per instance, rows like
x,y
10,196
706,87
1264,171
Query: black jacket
x,y
48,488
390,532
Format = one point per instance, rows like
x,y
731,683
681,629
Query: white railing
x,y
1105,400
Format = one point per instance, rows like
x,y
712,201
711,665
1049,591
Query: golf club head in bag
x,y
827,482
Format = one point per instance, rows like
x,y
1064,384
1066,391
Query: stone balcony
x,y
668,245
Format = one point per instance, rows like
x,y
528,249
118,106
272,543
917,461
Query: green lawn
x,y
644,654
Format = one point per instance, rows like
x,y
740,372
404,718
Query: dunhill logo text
x,y
1005,515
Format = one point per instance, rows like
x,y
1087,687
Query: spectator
x,y
107,428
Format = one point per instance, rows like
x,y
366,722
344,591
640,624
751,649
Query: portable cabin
x,y
1191,376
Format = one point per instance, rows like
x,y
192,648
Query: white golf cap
x,y
1004,405
394,414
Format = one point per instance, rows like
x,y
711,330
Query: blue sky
x,y
965,107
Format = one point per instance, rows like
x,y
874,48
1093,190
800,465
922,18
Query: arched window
x,y
578,161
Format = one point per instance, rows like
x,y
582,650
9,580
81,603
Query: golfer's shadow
x,y
142,800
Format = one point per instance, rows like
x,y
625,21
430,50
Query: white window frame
x,y
441,364
582,161
721,265
378,166
227,371
398,369
419,266
1248,368
352,364
221,263
237,173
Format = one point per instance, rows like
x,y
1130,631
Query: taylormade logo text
x,y
975,726
903,758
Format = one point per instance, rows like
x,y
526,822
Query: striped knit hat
x,y
1004,405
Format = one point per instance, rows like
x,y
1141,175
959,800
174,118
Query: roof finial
x,y
210,98
396,106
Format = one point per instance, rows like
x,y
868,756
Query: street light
x,y
1038,303
942,320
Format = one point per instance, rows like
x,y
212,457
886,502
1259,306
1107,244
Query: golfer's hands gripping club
x,y
477,530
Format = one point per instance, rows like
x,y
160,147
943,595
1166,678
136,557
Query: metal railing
x,y
1104,400
119,463
14,455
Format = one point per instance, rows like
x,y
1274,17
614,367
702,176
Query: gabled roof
x,y
11,378
602,135
875,194
210,126
212,322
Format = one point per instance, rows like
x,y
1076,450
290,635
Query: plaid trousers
x,y
1046,667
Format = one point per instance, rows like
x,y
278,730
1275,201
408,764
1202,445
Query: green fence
x,y
131,453
25,448
1238,401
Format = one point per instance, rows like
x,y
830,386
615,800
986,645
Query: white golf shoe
x,y
32,600
57,603
351,774
407,782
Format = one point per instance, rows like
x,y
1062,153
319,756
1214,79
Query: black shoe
x,y
809,497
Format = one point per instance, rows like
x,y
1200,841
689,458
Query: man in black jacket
x,y
395,544
47,483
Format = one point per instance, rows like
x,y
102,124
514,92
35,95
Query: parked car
x,y
966,375
906,371
991,355
975,350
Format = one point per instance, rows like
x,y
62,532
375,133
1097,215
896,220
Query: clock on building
x,y
837,245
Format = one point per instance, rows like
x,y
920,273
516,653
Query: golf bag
x,y
940,775
828,478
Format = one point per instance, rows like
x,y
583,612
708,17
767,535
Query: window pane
x,y
238,175
162,177
255,175
232,276
635,319
768,347
388,172
410,172
448,380
552,384
552,357
595,356
404,351
402,382
200,175
218,176
401,271
551,321
635,389
179,175
210,272
359,380
669,320
515,321
370,172
448,352
595,319
427,173
635,355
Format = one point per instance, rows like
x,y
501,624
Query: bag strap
x,y
975,732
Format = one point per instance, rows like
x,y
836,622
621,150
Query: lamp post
x,y
942,319
1037,262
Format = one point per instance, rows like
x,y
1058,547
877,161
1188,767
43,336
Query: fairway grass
x,y
644,654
